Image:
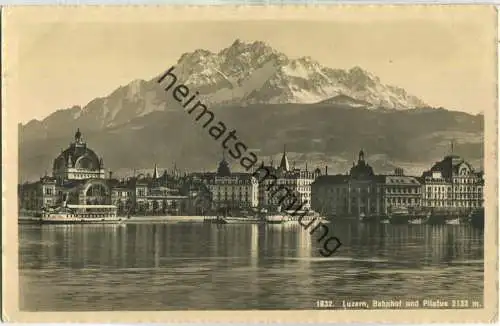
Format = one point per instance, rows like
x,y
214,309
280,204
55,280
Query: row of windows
x,y
462,180
403,201
456,189
298,182
232,182
406,190
83,175
444,203
235,199
123,193
219,194
232,188
454,196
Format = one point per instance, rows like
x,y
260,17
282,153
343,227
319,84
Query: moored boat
x,y
416,220
215,220
275,218
476,218
399,215
303,217
272,216
76,214
453,220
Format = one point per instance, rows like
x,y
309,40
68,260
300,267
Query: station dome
x,y
78,155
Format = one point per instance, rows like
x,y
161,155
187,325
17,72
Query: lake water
x,y
173,266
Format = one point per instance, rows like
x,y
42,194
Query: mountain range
x,y
324,115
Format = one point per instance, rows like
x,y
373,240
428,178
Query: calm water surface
x,y
197,266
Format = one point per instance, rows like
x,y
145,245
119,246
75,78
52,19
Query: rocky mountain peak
x,y
241,74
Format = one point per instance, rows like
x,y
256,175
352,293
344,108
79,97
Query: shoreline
x,y
149,219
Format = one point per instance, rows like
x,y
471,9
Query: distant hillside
x,y
319,134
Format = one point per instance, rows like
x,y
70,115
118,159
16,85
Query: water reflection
x,y
199,266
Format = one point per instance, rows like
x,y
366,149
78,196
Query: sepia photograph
x,y
332,164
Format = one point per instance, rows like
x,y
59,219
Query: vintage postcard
x,y
250,164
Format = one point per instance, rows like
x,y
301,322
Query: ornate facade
x,y
452,184
282,185
362,192
78,162
78,177
232,190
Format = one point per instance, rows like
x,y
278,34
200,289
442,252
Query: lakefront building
x,y
79,178
361,191
401,191
231,190
452,184
366,190
284,186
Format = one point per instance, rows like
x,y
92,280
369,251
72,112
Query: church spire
x,y
155,173
284,165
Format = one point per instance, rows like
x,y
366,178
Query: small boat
x,y
384,219
453,221
273,216
362,217
249,219
303,217
416,220
215,220
276,218
476,218
399,215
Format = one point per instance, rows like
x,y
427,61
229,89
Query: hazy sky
x,y
446,60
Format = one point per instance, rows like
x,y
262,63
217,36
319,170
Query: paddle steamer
x,y
75,214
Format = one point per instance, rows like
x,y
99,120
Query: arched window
x,y
85,163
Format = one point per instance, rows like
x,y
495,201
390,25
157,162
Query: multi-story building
x,y
78,177
365,189
358,192
452,184
290,188
232,190
33,196
330,194
402,191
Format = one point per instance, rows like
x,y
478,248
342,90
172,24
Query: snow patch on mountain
x,y
242,74
253,73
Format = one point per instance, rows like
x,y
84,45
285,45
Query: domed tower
x,y
361,157
78,162
362,169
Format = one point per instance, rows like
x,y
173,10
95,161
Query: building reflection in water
x,y
149,246
245,266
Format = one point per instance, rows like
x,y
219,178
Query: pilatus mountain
x,y
324,115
